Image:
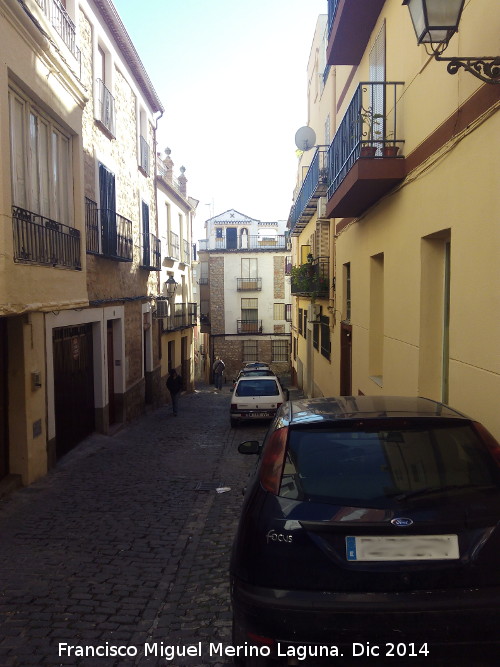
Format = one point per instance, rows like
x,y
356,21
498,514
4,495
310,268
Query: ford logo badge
x,y
401,522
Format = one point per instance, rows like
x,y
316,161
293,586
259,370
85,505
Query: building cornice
x,y
122,38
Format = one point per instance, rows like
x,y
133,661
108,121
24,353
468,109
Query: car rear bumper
x,y
439,619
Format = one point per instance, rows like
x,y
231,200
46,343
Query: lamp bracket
x,y
485,68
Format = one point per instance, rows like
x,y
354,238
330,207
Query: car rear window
x,y
362,465
261,387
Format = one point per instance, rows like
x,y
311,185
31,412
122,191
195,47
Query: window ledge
x,y
378,379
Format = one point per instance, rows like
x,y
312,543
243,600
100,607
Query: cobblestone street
x,y
126,543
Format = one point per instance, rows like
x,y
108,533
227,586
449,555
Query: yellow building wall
x,y
456,192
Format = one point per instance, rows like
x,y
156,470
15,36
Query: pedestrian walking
x,y
174,385
218,369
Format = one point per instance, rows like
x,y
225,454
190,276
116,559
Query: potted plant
x,y
370,121
390,148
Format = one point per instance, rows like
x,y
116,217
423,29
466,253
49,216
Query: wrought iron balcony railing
x,y
150,252
245,242
249,284
105,108
108,233
249,326
40,240
332,10
312,279
313,187
176,315
370,128
63,25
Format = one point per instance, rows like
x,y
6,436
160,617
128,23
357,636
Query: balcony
x,y
365,160
40,240
313,187
249,284
63,25
350,24
150,252
312,279
249,326
245,242
105,108
108,233
144,155
176,315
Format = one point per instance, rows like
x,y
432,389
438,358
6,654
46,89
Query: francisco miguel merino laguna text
x,y
160,649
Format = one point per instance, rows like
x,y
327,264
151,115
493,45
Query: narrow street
x,y
126,543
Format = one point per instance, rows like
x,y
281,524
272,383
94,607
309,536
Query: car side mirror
x,y
249,447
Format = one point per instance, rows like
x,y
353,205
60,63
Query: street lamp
x,y
435,22
171,286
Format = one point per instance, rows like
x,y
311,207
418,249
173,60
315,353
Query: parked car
x,y
253,365
256,398
253,372
369,522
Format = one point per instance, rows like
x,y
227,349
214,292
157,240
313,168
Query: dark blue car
x,y
370,530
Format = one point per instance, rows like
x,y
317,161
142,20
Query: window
x,y
347,291
299,321
376,331
143,142
249,309
325,336
288,312
218,233
249,267
386,459
258,387
280,350
174,245
203,273
250,350
41,162
279,311
105,102
304,329
305,250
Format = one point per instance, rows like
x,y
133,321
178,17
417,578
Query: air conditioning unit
x,y
313,313
161,308
321,207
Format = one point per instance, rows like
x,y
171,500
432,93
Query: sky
x,y
232,77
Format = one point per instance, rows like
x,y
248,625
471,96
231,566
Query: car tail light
x,y
271,466
234,406
259,639
490,442
278,405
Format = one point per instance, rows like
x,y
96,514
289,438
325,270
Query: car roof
x,y
256,378
367,407
256,372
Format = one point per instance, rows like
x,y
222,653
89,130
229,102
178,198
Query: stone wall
x,y
216,279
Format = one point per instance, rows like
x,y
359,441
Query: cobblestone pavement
x,y
126,543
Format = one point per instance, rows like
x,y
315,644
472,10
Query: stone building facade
x,y
81,256
244,293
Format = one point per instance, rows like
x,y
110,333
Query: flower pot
x,y
390,151
368,151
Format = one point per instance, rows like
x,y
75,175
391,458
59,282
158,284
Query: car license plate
x,y
406,547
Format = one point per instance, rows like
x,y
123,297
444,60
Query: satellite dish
x,y
305,138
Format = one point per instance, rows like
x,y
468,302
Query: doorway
x,y
345,359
